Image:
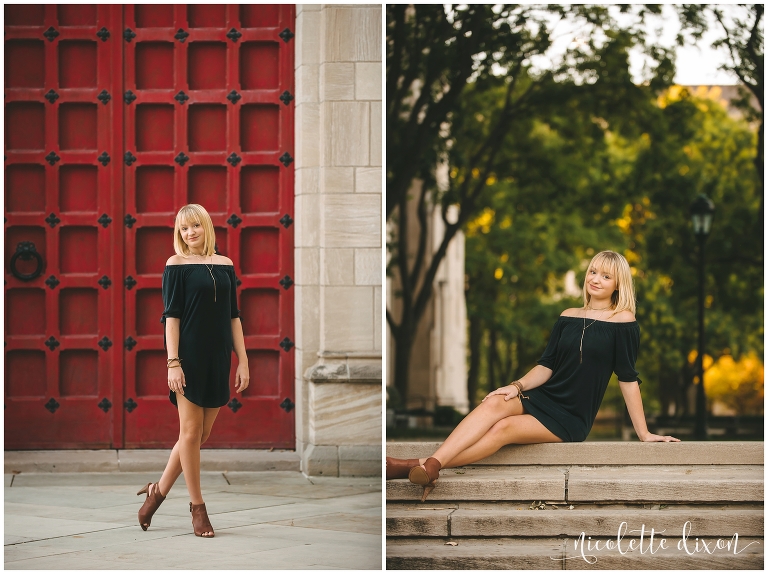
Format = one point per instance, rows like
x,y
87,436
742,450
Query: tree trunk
x,y
403,344
475,337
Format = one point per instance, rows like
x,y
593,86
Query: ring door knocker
x,y
26,250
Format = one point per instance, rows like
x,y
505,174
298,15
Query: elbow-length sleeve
x,y
173,292
550,353
234,311
625,355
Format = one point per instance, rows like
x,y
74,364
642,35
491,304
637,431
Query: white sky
x,y
695,65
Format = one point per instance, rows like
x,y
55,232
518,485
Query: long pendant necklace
x,y
210,270
581,343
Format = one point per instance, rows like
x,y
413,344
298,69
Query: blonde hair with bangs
x,y
623,299
189,214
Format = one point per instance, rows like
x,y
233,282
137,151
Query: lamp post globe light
x,y
702,210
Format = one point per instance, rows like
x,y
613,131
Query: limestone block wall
x,y
338,238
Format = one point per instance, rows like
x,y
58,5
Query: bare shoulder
x,y
221,260
623,317
175,260
573,312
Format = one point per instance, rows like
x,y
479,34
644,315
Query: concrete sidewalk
x,y
263,520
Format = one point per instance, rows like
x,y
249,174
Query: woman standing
x,y
202,327
558,399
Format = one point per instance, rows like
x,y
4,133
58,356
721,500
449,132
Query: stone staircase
x,y
562,506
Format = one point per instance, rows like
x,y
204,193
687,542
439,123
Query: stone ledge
x,y
344,460
146,460
604,453
358,368
425,521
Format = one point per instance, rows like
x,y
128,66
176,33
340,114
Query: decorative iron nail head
x,y
286,97
234,35
130,404
128,97
52,343
286,220
52,405
233,96
104,159
52,282
129,158
237,281
51,96
104,220
286,282
181,35
52,220
51,33
181,97
103,34
234,404
286,159
287,405
129,34
129,220
105,282
286,344
52,158
105,405
234,159
104,97
234,220
129,282
286,35
130,343
105,343
181,159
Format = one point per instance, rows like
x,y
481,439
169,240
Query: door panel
x,y
205,124
62,196
115,117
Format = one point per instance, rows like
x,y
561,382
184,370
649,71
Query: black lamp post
x,y
701,216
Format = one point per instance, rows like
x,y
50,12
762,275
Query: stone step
x,y
524,520
659,484
564,553
612,453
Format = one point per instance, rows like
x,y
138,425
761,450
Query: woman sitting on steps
x,y
558,399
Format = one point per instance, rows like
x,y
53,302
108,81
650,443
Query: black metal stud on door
x,y
105,343
233,96
104,159
181,97
181,35
105,282
286,35
130,343
129,220
129,34
52,405
103,34
234,159
50,33
105,405
52,343
52,158
52,282
130,282
51,96
286,282
286,159
286,221
234,220
130,404
234,35
287,405
234,404
286,97
52,220
104,220
129,158
286,344
104,97
128,97
181,159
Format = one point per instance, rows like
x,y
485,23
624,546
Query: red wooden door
x,y
199,111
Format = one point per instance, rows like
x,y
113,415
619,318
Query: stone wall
x,y
338,238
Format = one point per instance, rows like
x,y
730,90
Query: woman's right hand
x,y
509,392
176,380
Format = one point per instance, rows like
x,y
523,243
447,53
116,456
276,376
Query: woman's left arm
x,y
242,377
634,401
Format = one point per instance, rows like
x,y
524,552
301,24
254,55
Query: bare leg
x,y
516,429
475,426
173,468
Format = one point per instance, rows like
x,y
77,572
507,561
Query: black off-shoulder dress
x,y
567,403
205,337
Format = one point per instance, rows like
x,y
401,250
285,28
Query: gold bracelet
x,y
174,366
169,361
